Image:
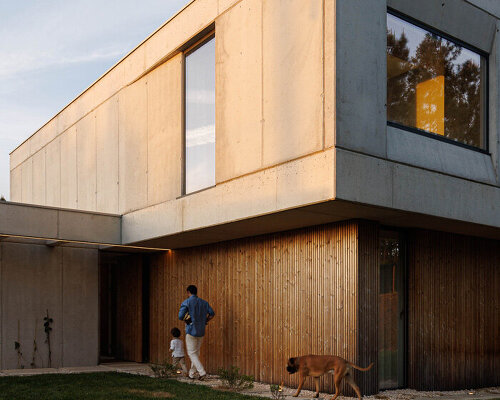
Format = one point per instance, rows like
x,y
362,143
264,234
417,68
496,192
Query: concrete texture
x,y
80,298
456,18
494,101
292,80
55,223
491,6
329,74
53,173
39,177
164,129
361,73
16,183
27,181
106,130
86,163
31,284
133,147
64,281
263,192
238,132
369,180
69,177
424,152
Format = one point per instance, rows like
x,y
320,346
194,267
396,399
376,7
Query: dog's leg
x,y
337,380
350,381
316,382
302,380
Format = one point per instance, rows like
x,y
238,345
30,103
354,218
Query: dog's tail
x,y
361,368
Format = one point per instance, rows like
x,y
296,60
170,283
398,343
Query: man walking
x,y
196,313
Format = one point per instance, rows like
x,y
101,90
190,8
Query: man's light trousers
x,y
193,345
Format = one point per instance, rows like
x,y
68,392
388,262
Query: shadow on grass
x,y
106,385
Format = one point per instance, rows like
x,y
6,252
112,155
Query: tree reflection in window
x,y
434,84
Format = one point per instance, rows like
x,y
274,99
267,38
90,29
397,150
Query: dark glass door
x,y
392,311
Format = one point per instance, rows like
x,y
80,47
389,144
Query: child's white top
x,y
177,347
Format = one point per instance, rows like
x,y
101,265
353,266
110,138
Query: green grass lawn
x,y
106,385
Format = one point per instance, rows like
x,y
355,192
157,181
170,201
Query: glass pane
x,y
391,313
434,84
200,118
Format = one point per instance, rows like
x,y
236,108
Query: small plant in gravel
x,y
163,370
277,391
232,379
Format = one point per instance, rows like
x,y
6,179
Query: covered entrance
x,y
124,306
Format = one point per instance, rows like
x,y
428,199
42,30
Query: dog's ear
x,y
291,360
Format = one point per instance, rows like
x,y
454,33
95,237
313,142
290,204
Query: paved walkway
x,y
261,389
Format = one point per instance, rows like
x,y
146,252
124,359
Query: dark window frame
x,y
485,86
199,40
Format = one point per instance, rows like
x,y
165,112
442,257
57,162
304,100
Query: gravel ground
x,y
262,389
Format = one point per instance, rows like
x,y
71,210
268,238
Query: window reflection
x,y
434,84
200,118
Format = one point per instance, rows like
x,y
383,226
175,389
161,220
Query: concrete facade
x,y
301,140
63,280
118,147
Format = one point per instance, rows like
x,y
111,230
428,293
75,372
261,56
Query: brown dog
x,y
317,366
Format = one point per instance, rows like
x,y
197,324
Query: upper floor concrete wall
x,y
118,147
384,166
300,119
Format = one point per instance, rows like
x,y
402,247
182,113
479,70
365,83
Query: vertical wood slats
x,y
454,309
128,336
275,296
369,280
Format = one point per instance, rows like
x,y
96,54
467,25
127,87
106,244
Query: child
x,y
177,349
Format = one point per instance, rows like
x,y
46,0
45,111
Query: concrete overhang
x,y
53,227
57,224
315,214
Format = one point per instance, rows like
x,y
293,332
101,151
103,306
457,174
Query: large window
x,y
199,140
435,85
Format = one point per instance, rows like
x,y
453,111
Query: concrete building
x,y
326,172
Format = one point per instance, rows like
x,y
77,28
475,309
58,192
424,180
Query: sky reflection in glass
x,y
200,118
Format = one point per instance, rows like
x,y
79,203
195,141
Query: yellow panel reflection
x,y
430,105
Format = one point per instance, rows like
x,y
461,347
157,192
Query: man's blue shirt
x,y
198,310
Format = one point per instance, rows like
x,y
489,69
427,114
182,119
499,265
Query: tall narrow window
x,y
434,84
199,140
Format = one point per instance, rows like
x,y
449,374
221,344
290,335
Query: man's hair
x,y
192,289
175,332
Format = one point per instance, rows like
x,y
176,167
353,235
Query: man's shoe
x,y
191,377
202,377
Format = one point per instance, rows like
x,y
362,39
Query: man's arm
x,y
211,313
183,310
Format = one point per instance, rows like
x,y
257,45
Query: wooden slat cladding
x,y
128,334
454,309
368,275
275,296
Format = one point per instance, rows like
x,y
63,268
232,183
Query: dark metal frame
x,y
485,74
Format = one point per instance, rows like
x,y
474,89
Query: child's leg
x,y
183,365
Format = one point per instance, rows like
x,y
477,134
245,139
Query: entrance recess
x,y
392,311
124,307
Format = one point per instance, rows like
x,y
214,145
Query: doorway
x,y
392,311
124,307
